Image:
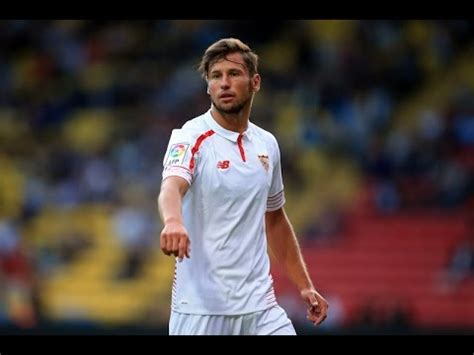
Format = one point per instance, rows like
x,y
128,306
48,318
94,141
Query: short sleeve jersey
x,y
234,179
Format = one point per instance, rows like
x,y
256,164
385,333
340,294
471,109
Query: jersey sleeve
x,y
178,156
276,195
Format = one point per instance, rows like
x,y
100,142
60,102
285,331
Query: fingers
x,y
320,319
317,314
313,301
309,296
175,242
188,249
175,245
311,317
318,306
169,244
163,244
183,248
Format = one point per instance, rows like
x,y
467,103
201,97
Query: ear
x,y
256,81
207,90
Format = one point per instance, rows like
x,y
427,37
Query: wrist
x,y
173,220
306,286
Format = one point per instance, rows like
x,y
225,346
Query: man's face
x,y
230,85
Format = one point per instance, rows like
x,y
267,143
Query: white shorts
x,y
272,321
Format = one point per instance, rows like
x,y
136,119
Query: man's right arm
x,y
174,239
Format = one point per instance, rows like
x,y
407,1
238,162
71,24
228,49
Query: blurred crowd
x,y
87,107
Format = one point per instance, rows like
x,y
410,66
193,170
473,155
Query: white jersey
x,y
234,179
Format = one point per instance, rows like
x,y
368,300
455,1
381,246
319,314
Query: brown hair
x,y
221,49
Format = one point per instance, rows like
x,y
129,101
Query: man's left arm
x,y
284,246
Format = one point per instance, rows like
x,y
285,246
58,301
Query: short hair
x,y
221,49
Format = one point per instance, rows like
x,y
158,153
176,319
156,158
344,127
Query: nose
x,y
225,82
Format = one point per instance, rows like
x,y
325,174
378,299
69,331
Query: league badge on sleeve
x,y
177,154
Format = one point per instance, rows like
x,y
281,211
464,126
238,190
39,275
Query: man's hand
x,y
317,305
174,240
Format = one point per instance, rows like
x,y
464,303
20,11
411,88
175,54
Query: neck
x,y
237,122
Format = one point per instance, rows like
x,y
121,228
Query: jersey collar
x,y
216,127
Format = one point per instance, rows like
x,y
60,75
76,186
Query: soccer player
x,y
221,202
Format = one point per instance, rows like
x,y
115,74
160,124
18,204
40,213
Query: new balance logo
x,y
223,164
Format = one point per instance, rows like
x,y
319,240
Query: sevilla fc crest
x,y
264,160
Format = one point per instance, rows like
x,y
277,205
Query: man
x,y
221,202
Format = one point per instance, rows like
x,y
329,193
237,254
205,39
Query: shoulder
x,y
191,130
195,124
265,135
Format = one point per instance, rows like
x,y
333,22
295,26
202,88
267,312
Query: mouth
x,y
226,96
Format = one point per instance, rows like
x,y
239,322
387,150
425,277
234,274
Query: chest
x,y
236,168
